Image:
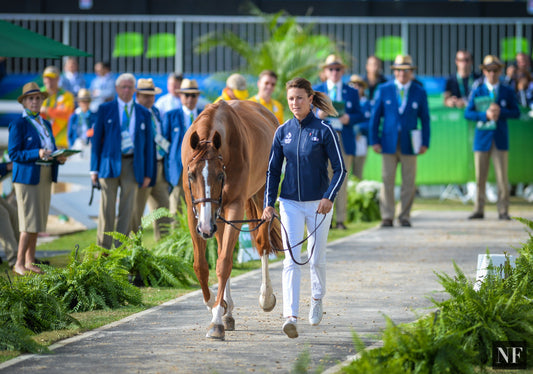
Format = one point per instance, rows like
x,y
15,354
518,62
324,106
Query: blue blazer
x,y
174,129
74,122
366,108
509,109
23,148
394,124
106,155
352,107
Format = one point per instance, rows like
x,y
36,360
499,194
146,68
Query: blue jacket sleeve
x,y
3,169
97,140
72,129
511,110
375,119
355,112
275,163
15,145
333,150
470,111
425,119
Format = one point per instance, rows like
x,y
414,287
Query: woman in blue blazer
x,y
31,143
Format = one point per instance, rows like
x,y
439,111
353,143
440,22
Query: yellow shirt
x,y
60,107
274,106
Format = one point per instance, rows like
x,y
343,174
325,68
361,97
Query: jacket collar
x,y
307,120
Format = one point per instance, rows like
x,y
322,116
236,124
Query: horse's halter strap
x,y
208,199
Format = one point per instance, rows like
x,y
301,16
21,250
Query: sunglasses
x,y
492,70
334,69
193,95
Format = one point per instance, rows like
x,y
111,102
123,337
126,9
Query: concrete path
x,y
374,273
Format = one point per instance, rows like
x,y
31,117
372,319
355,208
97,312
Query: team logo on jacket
x,y
288,138
348,104
415,105
503,103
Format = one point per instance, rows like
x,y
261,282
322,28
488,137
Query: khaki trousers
x,y
128,195
408,188
9,231
157,196
358,165
500,160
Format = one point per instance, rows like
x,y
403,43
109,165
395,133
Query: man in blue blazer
x,y
490,104
401,103
175,124
122,155
346,101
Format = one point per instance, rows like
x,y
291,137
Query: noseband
x,y
208,199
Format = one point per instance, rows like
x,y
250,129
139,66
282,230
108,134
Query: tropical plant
x,y
289,49
498,311
178,242
424,346
27,306
144,266
16,338
90,284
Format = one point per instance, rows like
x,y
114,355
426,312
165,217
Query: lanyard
x,y
44,135
460,83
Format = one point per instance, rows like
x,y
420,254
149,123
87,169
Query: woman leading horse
x,y
225,157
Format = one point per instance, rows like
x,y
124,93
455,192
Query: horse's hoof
x,y
229,323
267,305
215,332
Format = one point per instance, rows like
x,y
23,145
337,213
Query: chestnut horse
x,y
225,158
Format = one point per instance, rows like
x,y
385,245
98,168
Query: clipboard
x,y
64,152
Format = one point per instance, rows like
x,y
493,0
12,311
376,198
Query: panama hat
x,y
237,83
84,95
491,60
147,87
31,88
359,80
333,59
188,86
403,62
51,72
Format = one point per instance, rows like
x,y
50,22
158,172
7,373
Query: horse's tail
x,y
275,236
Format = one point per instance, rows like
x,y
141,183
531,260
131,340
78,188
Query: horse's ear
x,y
217,140
195,139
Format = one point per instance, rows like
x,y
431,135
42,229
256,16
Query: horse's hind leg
x,y
254,210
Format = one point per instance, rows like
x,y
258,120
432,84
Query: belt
x,y
127,156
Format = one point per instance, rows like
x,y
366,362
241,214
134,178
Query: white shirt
x,y
131,111
405,87
44,133
166,103
338,85
187,115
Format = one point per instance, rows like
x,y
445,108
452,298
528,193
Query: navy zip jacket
x,y
306,146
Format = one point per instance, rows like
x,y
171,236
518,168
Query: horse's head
x,y
206,178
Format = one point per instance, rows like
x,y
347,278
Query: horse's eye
x,y
191,176
221,177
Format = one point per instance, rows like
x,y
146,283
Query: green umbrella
x,y
16,41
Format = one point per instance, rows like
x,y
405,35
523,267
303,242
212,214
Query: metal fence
x,y
431,41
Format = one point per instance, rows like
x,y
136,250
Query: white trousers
x,y
294,216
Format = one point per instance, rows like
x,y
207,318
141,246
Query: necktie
x,y
491,94
191,117
402,95
125,119
333,93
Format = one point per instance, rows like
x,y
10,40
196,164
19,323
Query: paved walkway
x,y
376,272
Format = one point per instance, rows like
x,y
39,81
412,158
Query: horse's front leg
x,y
227,238
267,299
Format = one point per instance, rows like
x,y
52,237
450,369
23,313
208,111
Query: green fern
x,y
148,268
91,284
29,306
16,338
423,346
178,242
